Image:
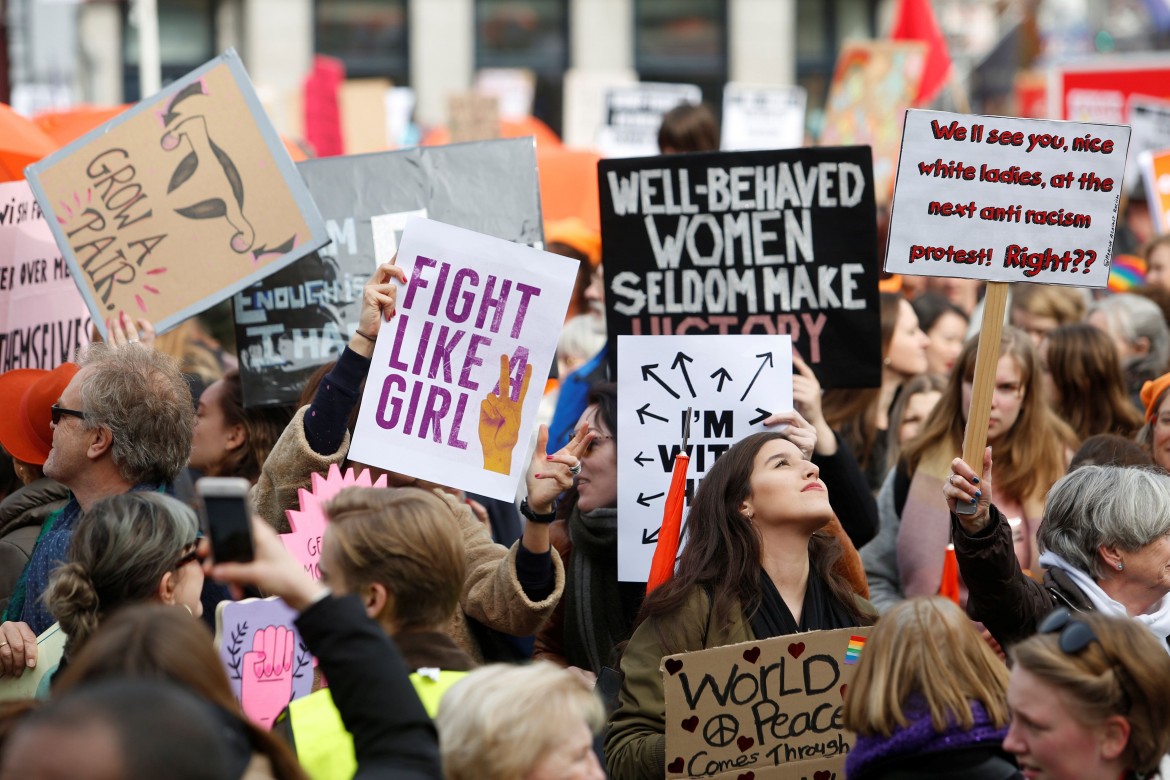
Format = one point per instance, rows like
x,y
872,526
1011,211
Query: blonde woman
x,y
531,722
930,698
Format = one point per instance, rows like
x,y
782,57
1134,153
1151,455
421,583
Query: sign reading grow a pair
x,y
764,709
179,202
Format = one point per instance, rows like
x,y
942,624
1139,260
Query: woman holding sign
x,y
756,565
1032,445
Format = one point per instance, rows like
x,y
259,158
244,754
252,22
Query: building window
x,y
531,34
369,36
683,41
186,37
821,27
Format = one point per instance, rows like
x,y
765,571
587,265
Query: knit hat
x,y
1151,392
26,394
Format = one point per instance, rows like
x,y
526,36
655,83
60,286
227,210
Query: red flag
x,y
914,21
665,552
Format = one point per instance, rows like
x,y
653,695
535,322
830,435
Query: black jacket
x,y
976,763
21,516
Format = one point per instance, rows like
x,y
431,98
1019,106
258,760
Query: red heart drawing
x,y
675,767
843,689
824,774
752,655
795,649
744,743
691,723
673,665
747,776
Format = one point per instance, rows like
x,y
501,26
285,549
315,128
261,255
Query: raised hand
x,y
379,304
123,330
266,687
499,420
550,475
964,487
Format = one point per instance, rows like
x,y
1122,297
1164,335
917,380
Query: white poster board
x,y
585,90
433,407
43,318
634,113
731,383
1005,199
762,117
1150,120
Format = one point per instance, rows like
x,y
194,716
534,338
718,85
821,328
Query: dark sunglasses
x,y
57,411
1075,635
193,555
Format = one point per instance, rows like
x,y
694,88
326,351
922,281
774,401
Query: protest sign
x,y
513,88
363,115
179,202
771,707
872,83
731,385
303,316
448,395
473,117
1155,168
747,242
34,683
584,98
1150,122
1102,89
43,319
634,113
761,117
308,522
267,662
1005,199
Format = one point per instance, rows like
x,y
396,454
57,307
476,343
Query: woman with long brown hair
x,y
230,440
1088,390
1032,448
756,565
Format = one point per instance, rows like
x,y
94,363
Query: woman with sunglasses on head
x,y
909,556
1090,700
127,549
1104,546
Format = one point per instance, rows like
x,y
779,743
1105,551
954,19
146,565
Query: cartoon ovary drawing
x,y
204,174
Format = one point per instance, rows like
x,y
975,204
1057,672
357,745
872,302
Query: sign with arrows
x,y
769,242
731,384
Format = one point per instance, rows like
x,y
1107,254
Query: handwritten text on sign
x,y
1004,199
457,374
731,384
761,704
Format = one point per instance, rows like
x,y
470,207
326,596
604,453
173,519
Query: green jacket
x,y
635,743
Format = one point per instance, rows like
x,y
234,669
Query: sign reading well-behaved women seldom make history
x,y
771,242
1005,199
302,317
179,202
457,375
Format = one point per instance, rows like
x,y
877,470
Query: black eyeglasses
x,y
1075,635
193,555
57,412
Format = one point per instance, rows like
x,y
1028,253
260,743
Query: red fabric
x,y
322,110
21,143
914,21
666,551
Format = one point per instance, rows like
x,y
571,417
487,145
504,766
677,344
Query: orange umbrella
x,y
67,126
568,185
21,143
669,535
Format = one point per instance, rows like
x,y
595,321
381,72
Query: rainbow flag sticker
x,y
853,651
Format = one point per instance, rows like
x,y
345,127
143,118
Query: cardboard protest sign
x,y
364,121
760,117
1150,122
43,318
1005,199
748,242
872,83
267,662
634,113
772,707
303,316
308,522
179,202
448,395
731,385
473,117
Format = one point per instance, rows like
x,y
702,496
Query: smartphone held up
x,y
225,511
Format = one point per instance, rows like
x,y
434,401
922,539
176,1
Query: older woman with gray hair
x,y
1139,330
1104,542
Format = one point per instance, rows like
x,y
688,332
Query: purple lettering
x,y
453,439
442,352
431,416
472,360
412,407
526,292
498,304
440,284
424,341
395,362
393,382
467,297
416,280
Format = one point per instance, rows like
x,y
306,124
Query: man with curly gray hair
x,y
123,423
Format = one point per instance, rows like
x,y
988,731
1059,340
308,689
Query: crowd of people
x,y
461,638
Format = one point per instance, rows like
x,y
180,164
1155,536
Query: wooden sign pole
x,y
983,385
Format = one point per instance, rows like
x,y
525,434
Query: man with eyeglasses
x,y
123,423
